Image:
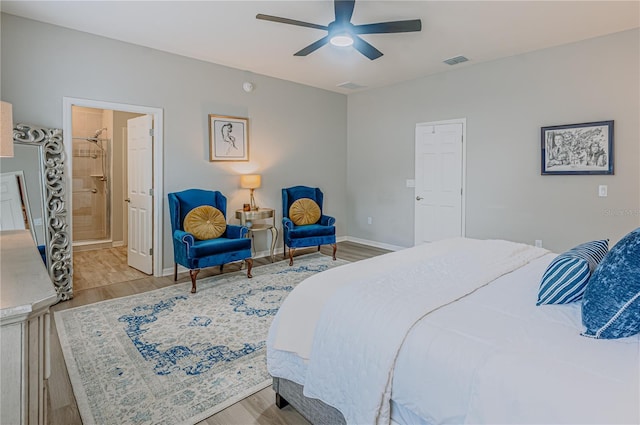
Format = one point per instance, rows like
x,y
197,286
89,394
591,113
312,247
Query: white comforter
x,y
496,358
352,341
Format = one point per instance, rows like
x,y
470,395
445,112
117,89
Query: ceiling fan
x,y
342,32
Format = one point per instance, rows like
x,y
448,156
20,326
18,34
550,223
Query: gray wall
x,y
295,141
297,133
505,103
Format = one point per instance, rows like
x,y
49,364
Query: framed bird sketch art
x,y
228,138
578,148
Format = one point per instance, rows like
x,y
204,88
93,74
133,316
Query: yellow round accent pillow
x,y
304,211
205,222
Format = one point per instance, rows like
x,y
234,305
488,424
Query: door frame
x,y
463,212
158,171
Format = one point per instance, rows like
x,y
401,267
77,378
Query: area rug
x,y
171,357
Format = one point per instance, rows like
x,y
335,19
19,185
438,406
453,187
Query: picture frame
x,y
228,138
585,148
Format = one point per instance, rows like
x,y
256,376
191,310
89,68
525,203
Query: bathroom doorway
x,y
99,181
95,138
99,177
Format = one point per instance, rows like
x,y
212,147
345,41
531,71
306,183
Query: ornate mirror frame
x,y
57,242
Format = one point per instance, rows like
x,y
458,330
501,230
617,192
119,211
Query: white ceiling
x,y
227,33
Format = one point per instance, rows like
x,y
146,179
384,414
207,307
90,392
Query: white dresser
x,y
26,293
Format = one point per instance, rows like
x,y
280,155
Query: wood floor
x,y
256,409
95,268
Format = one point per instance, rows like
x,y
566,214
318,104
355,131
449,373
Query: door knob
x,y
127,200
419,198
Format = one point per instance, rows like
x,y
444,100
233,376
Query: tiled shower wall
x,y
91,180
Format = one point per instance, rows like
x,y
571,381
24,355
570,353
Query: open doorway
x,y
97,150
99,176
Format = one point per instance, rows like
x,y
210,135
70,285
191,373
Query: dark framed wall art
x,y
577,148
228,138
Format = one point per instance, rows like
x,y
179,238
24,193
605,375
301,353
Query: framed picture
x,y
228,138
578,148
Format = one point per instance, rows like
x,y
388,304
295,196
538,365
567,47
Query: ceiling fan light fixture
x,y
341,32
342,40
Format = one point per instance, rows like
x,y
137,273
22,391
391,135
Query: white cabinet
x,y
26,295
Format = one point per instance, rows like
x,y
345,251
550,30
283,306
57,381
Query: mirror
x,y
47,166
16,211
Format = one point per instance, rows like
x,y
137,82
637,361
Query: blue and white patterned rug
x,y
171,357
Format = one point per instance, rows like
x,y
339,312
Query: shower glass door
x,y
91,163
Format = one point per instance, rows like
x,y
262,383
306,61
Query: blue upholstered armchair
x,y
196,254
322,232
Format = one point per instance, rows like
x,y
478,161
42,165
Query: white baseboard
x,y
260,254
169,271
375,244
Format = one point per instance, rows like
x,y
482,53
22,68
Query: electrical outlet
x,y
369,220
602,191
538,243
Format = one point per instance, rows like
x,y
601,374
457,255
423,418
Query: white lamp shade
x,y
6,130
250,181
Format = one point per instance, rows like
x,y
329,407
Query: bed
x,y
447,332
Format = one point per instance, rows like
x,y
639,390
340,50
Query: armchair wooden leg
x,y
175,272
318,247
249,266
335,247
193,274
291,256
221,267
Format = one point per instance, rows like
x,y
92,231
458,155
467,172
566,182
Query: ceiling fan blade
x,y
365,48
313,47
290,22
389,27
344,10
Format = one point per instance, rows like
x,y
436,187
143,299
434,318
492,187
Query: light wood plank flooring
x,y
256,409
101,267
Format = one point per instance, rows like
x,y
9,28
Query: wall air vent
x,y
351,86
456,60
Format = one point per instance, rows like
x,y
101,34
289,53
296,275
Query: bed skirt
x,y
313,410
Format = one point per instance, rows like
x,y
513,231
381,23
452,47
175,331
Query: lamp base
x,y
252,202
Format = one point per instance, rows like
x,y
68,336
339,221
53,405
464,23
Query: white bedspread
x,y
494,357
359,331
299,313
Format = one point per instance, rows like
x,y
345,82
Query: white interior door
x,y
439,181
140,193
11,213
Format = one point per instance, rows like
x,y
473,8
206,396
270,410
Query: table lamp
x,y
251,182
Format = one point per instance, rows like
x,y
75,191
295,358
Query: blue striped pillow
x,y
566,277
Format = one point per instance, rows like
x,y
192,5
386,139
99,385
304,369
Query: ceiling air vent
x,y
456,60
351,86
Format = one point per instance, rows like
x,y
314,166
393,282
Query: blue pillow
x,y
566,277
611,303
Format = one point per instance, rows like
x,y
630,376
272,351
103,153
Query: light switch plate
x,y
411,183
